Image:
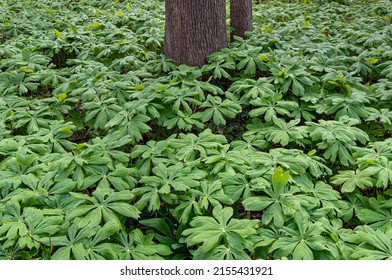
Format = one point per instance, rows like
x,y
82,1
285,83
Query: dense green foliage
x,y
278,148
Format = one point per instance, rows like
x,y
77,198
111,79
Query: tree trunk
x,y
194,29
240,17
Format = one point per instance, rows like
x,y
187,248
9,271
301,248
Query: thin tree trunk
x,y
194,29
240,17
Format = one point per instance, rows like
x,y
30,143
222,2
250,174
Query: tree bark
x,y
194,29
240,17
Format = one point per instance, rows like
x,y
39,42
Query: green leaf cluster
x,y
278,148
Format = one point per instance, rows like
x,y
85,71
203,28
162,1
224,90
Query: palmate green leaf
x,y
181,98
26,229
105,205
352,105
288,75
110,147
129,123
191,146
41,225
220,70
283,133
338,149
350,180
176,177
227,160
184,121
73,165
150,196
119,179
12,83
336,241
384,115
81,210
35,118
12,225
151,154
277,202
274,213
235,185
56,136
23,159
300,239
374,153
9,146
371,216
378,214
218,109
63,187
211,193
382,171
264,239
99,250
251,89
239,186
290,159
101,110
212,231
156,151
285,245
65,253
249,64
71,246
105,232
381,243
337,138
30,180
318,194
272,106
137,246
187,209
302,252
257,203
250,143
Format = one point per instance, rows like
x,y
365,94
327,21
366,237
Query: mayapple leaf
x,y
73,29
120,14
280,178
125,209
106,231
58,34
159,224
212,231
257,203
372,60
380,241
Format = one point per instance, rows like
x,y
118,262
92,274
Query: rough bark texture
x,y
240,17
194,29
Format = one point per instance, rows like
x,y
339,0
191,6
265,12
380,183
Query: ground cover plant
x,y
278,148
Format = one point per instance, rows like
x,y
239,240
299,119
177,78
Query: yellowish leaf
x,y
61,97
58,34
372,60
